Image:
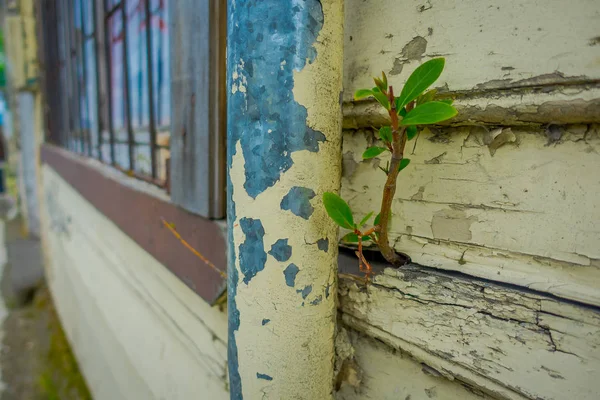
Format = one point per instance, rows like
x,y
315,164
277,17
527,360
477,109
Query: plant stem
x,y
399,141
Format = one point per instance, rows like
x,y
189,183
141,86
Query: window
x,y
118,103
137,138
125,45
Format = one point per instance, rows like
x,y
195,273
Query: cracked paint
x,y
284,138
506,217
267,103
305,292
506,335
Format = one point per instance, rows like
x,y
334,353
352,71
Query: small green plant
x,y
414,107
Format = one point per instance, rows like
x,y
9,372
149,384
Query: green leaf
x,y
384,79
338,210
373,152
365,219
381,98
402,111
379,84
385,133
362,93
411,132
403,164
426,97
353,238
421,79
429,113
447,101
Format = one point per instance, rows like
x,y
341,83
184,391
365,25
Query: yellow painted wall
x,y
21,44
138,332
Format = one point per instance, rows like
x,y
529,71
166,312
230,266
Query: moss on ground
x,y
61,378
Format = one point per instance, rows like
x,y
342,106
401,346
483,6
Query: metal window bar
x,y
69,73
74,93
109,12
152,121
127,100
83,93
100,117
62,70
75,38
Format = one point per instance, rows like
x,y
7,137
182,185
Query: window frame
x,y
205,132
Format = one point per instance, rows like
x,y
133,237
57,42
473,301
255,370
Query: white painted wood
x,y
487,44
136,329
526,215
388,374
507,343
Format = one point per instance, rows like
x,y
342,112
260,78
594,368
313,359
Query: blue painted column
x,y
284,86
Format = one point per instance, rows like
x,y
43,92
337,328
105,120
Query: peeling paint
x,y
414,50
498,138
284,140
305,292
348,165
290,274
252,251
398,66
554,134
298,201
263,376
281,250
506,342
451,223
436,159
323,244
268,95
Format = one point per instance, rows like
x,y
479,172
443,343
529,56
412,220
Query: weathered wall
x,y
525,215
505,192
138,332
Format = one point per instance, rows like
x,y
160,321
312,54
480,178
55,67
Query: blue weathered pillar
x,y
284,82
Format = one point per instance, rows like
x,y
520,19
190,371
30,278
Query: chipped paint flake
x,y
264,376
284,132
298,201
290,274
252,251
281,250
